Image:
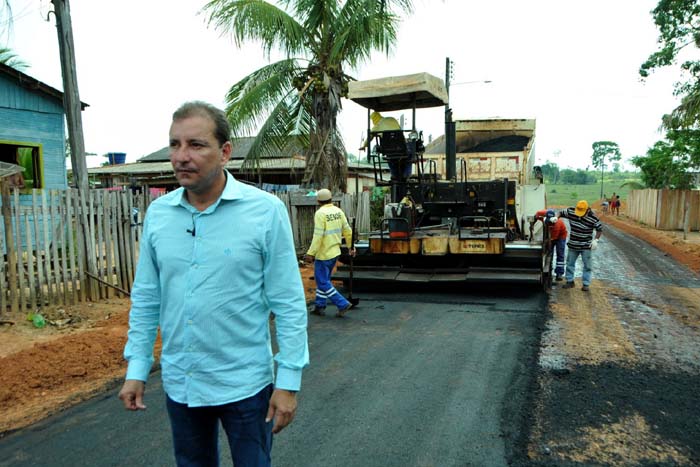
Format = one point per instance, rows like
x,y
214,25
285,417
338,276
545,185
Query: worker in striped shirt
x,y
586,229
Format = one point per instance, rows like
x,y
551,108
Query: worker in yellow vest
x,y
330,227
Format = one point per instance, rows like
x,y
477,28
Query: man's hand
x,y
283,407
309,258
353,252
132,394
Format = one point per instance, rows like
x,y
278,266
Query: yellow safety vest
x,y
330,226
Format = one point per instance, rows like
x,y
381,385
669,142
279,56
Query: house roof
x,y
436,146
33,84
241,147
137,168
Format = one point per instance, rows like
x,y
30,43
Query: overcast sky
x,y
571,65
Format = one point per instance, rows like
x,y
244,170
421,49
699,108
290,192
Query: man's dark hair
x,y
222,129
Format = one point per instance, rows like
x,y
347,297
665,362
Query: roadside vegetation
x,y
566,186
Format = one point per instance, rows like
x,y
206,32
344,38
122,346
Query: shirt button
x,y
189,321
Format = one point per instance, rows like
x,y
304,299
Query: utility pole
x,y
73,109
450,143
71,96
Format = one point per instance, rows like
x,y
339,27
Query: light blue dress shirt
x,y
210,280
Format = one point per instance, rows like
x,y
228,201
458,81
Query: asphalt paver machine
x,y
472,222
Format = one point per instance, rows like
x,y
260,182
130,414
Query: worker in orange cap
x,y
557,235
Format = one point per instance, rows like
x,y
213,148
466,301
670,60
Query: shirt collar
x,y
232,191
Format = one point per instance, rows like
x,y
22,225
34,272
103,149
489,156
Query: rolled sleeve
x,y
285,295
144,313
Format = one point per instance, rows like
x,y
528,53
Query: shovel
x,y
354,301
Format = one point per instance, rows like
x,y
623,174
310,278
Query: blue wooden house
x,y
32,135
32,132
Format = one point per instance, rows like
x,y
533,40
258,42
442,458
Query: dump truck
x,y
472,223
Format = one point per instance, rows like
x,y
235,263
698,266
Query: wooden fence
x,y
60,249
664,209
302,208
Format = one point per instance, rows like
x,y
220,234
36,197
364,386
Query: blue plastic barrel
x,y
116,157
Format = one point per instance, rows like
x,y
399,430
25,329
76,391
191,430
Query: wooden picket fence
x,y
665,209
61,249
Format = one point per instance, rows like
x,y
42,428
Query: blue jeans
x,y
587,258
559,249
196,431
324,288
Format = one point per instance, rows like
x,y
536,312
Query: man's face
x,y
195,153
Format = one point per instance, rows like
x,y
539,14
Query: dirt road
x,y
620,365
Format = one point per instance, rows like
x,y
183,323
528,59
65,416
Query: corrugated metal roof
x,y
241,147
27,82
137,168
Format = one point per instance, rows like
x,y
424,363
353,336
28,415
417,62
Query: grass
x,y
568,195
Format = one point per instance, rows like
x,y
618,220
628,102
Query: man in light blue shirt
x,y
216,257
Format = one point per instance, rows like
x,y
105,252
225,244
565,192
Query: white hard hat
x,y
324,194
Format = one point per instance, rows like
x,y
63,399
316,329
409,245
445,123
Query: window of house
x,y
25,155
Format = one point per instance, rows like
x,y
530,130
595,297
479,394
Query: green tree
x,y
300,95
667,163
576,177
550,172
601,151
678,22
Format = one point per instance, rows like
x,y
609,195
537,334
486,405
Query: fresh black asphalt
x,y
406,379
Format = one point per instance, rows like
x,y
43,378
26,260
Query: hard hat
x,y
581,207
375,117
323,194
550,213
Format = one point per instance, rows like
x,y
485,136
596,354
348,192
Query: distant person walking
x,y
330,227
605,204
557,236
583,224
616,205
611,203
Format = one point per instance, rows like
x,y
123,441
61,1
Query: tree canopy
x,y
678,22
603,150
300,95
668,163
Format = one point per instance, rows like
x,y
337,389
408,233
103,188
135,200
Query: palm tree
x,y
300,95
7,57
